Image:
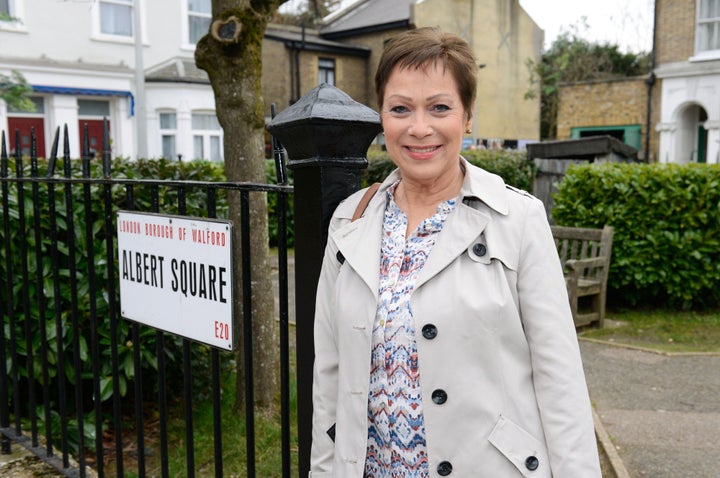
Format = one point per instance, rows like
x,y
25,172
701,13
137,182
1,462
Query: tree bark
x,y
231,54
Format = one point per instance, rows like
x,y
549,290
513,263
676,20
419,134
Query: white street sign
x,y
176,275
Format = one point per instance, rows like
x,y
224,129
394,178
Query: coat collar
x,y
360,241
478,184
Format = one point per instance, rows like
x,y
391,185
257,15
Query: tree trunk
x,y
231,54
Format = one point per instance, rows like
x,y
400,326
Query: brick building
x,y
675,111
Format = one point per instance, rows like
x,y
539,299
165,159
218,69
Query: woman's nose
x,y
420,125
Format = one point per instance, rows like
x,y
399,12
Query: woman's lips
x,y
422,150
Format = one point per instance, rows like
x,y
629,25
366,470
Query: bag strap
x,y
362,205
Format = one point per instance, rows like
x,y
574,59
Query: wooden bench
x,y
585,256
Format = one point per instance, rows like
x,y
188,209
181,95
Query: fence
x,y
67,357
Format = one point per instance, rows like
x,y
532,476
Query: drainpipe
x,y
141,117
650,82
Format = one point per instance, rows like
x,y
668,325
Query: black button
x,y
439,396
340,257
444,468
479,249
429,331
531,463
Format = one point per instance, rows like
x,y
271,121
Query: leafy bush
x,y
513,166
667,228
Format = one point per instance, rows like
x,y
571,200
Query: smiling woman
x,y
444,342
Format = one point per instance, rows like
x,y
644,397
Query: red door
x,y
25,125
95,134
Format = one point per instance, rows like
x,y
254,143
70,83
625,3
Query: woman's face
x,y
424,120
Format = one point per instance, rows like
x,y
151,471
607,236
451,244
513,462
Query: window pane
x,y
200,6
215,153
93,108
198,152
168,146
168,121
326,71
116,19
205,121
708,36
5,7
199,26
39,106
709,8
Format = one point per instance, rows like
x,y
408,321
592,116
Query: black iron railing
x,y
51,318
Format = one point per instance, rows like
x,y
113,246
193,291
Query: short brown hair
x,y
424,46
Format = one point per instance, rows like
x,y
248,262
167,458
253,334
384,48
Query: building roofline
x,y
368,29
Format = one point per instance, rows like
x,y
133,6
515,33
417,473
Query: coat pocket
x,y
527,453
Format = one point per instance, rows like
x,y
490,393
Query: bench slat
x,y
585,256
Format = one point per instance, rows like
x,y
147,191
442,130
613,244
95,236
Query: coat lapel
x,y
360,242
462,227
467,222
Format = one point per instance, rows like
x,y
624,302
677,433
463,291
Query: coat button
x,y
444,468
479,249
429,331
340,257
531,463
439,396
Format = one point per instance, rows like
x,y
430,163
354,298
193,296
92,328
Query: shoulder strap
x,y
362,205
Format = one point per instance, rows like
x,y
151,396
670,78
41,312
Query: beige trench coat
x,y
495,340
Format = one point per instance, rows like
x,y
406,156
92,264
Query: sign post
x,y
176,275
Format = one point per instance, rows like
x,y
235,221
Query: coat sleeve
x,y
558,375
325,370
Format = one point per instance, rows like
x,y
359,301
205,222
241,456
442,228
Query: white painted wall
x,y
683,91
58,44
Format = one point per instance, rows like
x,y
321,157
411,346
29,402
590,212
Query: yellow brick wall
x,y
608,103
275,75
675,30
375,42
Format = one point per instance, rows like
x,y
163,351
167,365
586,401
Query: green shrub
x,y
667,228
513,166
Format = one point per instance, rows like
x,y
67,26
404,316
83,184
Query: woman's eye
x,y
441,108
398,109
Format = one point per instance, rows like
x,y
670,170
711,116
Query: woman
x,y
444,343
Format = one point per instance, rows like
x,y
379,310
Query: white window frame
x,y
17,11
705,55
185,26
324,70
97,33
206,135
167,132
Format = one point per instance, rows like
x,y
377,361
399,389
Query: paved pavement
x,y
661,412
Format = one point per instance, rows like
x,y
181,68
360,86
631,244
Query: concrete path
x,y
662,412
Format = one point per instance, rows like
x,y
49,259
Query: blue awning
x,y
67,90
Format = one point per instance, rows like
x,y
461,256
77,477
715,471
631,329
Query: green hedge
x,y
666,249
512,166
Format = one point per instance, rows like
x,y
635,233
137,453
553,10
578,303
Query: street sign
x,y
176,274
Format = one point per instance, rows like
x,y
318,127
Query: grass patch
x,y
662,330
268,459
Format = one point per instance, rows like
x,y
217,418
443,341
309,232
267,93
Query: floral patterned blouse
x,y
396,430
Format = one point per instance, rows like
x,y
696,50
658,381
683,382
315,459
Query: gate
x,y
69,363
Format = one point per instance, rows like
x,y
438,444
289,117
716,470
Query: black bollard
x,y
326,135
